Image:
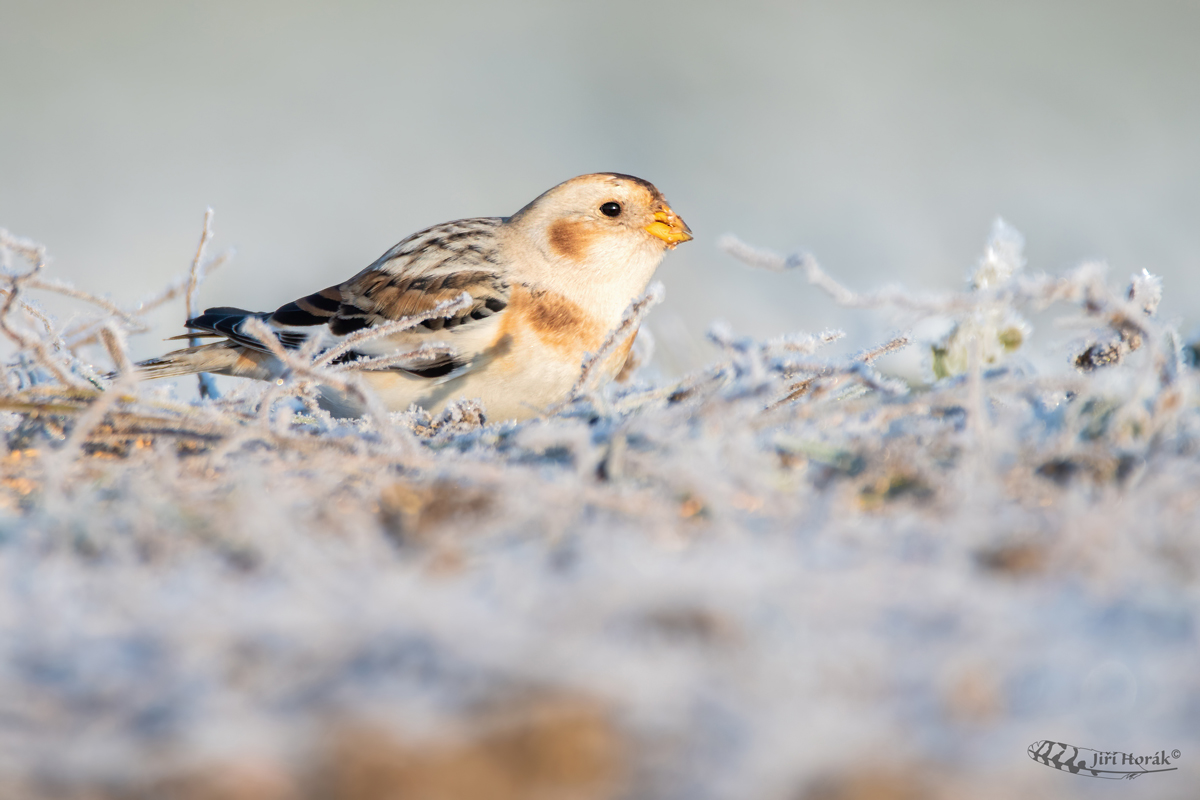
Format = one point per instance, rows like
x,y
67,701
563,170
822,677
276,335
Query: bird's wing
x,y
427,268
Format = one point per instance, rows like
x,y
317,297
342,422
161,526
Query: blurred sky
x,y
884,136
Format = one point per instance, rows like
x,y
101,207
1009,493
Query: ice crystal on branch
x,y
637,594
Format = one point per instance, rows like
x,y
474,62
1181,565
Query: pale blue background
x,y
882,135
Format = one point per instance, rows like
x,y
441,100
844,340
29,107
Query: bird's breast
x,y
552,321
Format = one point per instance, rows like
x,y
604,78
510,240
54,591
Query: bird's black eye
x,y
611,209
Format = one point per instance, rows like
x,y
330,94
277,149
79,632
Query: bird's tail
x,y
221,358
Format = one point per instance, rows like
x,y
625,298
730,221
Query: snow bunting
x,y
543,288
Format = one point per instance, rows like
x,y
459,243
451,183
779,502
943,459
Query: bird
x,y
537,292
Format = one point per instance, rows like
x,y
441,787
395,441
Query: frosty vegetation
x,y
788,575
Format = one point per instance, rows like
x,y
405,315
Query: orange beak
x,y
669,227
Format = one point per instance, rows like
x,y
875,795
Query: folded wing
x,y
428,268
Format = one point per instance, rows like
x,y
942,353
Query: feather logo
x,y
1113,765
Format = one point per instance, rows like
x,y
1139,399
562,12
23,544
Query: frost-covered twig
x,y
293,360
179,286
58,463
118,350
196,273
319,372
626,328
86,331
407,358
208,384
31,251
998,288
1084,285
37,347
765,259
343,377
445,308
859,368
892,296
898,343
67,290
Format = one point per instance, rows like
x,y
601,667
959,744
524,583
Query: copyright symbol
x,y
1174,754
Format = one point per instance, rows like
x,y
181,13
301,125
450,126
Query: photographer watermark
x,y
1113,765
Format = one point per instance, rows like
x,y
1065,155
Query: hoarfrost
x,y
788,574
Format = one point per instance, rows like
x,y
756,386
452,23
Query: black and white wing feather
x,y
427,268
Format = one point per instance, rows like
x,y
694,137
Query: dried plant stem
x,y
86,332
58,464
207,383
196,273
976,414
41,350
630,321
179,286
444,309
898,343
67,290
406,358
314,370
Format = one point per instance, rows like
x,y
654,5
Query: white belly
x,y
523,382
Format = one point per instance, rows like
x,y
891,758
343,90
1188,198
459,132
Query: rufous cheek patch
x,y
571,238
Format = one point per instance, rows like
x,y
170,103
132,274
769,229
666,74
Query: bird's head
x,y
602,217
